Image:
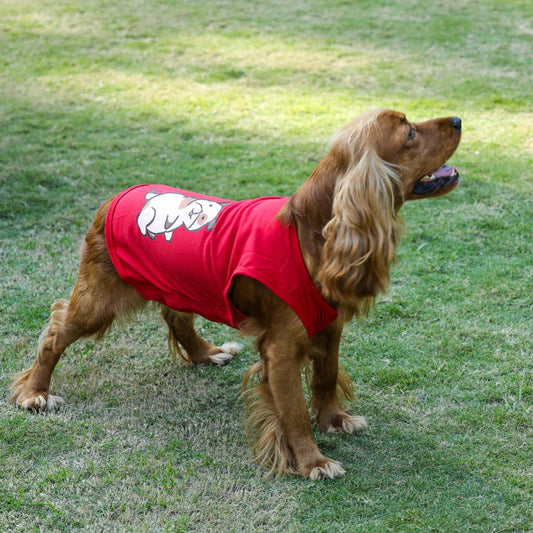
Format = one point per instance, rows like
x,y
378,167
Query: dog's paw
x,y
42,402
350,424
328,470
225,353
337,421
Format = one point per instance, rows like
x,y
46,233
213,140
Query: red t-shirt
x,y
183,249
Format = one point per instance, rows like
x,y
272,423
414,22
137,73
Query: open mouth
x,y
443,178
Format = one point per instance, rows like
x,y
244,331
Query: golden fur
x,y
346,215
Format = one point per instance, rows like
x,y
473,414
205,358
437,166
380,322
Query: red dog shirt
x,y
184,249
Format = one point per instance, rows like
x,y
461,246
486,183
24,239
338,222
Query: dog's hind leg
x,y
99,296
197,350
31,387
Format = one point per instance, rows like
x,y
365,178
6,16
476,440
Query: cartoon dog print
x,y
165,212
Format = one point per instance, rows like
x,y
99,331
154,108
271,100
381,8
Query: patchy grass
x,y
239,99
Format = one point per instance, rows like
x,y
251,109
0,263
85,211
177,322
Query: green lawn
x,y
239,99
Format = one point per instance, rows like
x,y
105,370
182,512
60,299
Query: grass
x,y
239,99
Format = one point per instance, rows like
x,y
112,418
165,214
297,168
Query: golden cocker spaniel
x,y
303,267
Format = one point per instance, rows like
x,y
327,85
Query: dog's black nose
x,y
456,123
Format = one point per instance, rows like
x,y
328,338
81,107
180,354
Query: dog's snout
x,y
456,123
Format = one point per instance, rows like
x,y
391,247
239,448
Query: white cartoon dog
x,y
165,212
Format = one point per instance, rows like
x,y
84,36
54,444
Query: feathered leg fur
x,y
265,435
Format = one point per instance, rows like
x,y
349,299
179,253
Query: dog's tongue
x,y
444,172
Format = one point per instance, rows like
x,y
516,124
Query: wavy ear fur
x,y
362,235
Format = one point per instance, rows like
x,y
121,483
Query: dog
x,y
318,258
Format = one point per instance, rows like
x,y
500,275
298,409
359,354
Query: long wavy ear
x,y
362,235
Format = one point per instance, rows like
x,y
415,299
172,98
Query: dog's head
x,y
378,161
411,156
419,152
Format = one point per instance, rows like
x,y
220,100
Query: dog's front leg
x,y
328,382
283,379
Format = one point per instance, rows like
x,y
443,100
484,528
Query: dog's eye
x,y
411,134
